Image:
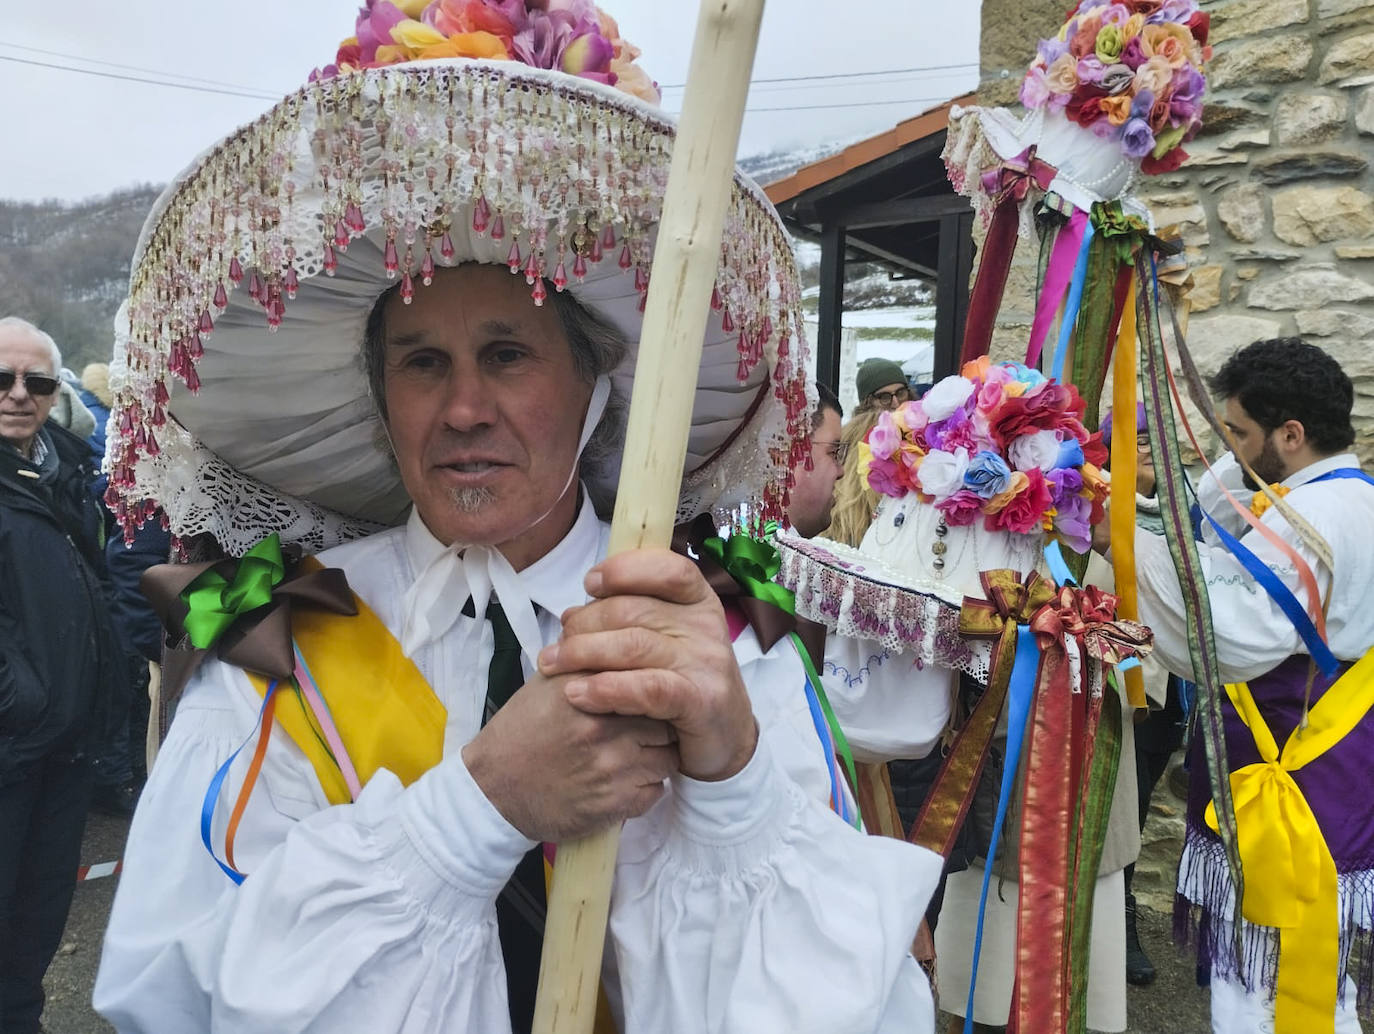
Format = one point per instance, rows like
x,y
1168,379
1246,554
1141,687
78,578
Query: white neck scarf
x,y
432,604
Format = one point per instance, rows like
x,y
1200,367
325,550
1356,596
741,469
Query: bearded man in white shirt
x,y
1287,405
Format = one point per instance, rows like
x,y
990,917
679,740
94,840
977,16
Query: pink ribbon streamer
x,y
327,727
1057,277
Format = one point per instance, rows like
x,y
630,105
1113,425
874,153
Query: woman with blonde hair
x,y
854,500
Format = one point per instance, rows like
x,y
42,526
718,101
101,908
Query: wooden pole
x,y
700,185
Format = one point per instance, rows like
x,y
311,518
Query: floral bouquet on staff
x,y
1000,443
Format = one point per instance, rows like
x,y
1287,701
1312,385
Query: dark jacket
x,y
133,614
101,412
61,662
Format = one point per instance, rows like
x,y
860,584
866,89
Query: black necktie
x,y
521,904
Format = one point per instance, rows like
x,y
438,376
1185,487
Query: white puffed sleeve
x,y
375,916
744,906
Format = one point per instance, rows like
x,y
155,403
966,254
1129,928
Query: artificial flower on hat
x,y
514,133
1111,60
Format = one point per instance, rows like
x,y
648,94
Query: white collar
x,y
444,581
1315,470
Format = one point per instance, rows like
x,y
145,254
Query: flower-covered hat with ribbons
x,y
1000,444
518,133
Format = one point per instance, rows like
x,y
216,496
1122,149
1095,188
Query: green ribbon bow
x,y
1121,233
754,564
216,602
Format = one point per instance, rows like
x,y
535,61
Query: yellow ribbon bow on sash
x,y
1290,876
1261,501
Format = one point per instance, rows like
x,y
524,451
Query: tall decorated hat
x,y
506,132
1113,96
979,473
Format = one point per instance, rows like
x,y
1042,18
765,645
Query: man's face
x,y
485,407
812,495
21,413
1253,445
890,396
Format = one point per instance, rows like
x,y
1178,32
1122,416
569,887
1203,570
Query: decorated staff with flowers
x,y
1128,73
1273,868
392,323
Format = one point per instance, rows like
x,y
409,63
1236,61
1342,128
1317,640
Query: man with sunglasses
x,y
60,664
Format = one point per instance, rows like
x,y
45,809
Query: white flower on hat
x,y
947,396
1037,450
942,473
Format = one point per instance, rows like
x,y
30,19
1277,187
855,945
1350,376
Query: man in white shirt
x,y
739,903
1288,406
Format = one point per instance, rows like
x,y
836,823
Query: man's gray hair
x,y
24,325
598,347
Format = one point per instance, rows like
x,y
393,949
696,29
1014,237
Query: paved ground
x,y
72,973
1174,1005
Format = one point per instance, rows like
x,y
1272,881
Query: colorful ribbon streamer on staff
x,y
1172,490
1122,515
1010,184
1020,691
1063,260
1072,306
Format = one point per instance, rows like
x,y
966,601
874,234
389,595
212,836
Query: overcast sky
x,y
68,135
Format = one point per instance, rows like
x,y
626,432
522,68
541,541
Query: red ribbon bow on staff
x,y
1013,177
1089,615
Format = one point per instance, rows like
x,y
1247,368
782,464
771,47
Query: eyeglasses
x,y
839,451
1142,443
887,398
34,383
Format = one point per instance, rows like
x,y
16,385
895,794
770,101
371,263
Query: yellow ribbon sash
x,y
1290,876
385,711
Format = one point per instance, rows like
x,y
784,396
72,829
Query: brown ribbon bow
x,y
259,641
769,621
1010,601
1014,177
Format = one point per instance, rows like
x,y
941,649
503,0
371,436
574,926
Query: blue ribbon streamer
x,y
1343,473
1020,691
1059,570
828,746
1080,275
207,806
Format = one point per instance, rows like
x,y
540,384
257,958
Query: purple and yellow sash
x,y
1290,876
